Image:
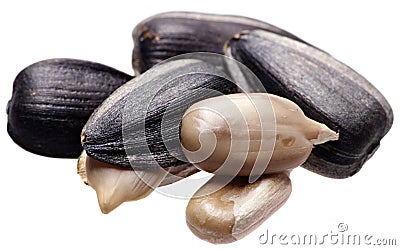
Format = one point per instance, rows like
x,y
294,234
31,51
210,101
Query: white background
x,y
43,203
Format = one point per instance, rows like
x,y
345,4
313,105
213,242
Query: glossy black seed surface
x,y
173,33
52,100
134,125
327,90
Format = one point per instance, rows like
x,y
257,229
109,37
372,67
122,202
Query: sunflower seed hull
x,y
327,90
103,135
173,33
52,100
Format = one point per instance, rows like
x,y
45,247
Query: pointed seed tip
x,y
107,204
325,134
105,210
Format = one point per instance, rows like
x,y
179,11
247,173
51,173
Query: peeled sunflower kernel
x,y
238,135
238,208
115,185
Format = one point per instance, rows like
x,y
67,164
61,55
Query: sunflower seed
x,y
52,100
173,33
327,90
